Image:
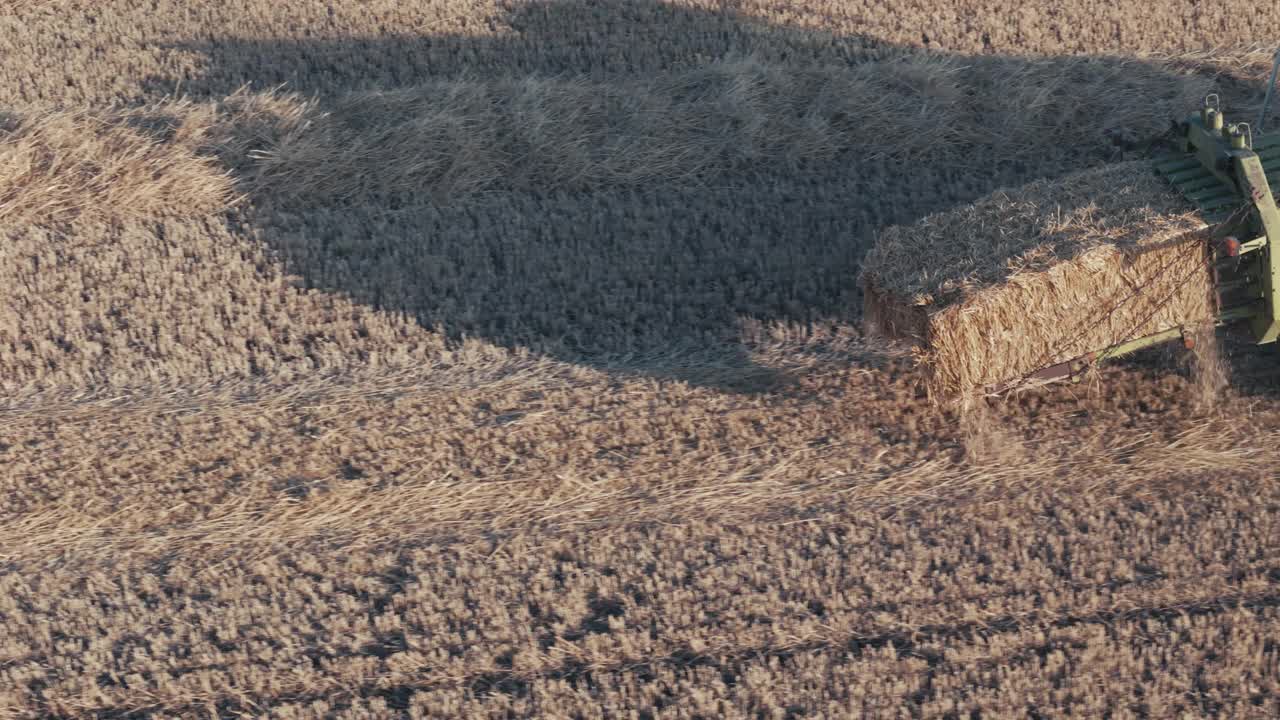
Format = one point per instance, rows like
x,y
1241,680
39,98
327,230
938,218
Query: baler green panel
x,y
1215,198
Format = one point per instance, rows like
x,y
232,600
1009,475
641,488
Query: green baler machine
x,y
1227,173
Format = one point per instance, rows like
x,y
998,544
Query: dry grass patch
x,y
1042,274
732,117
108,302
369,459
553,133
445,137
466,472
131,50
1064,604
719,122
60,165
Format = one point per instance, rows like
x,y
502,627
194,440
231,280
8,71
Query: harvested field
x,y
509,361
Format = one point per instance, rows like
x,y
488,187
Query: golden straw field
x,y
507,358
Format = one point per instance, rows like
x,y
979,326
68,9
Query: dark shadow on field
x,y
632,279
1250,370
602,40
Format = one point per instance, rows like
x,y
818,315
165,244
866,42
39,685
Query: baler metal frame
x,y
1227,174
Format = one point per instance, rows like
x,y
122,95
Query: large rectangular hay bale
x,y
1026,278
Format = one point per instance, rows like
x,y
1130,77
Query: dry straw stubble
x,y
59,165
729,118
1097,602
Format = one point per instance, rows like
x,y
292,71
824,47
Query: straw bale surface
x,y
1025,278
